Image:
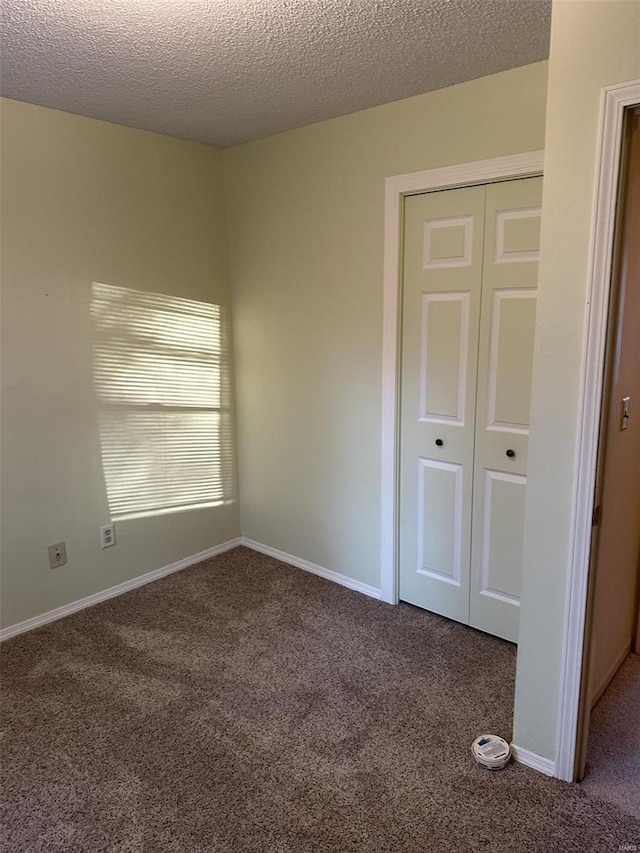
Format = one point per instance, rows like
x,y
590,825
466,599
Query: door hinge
x,y
595,517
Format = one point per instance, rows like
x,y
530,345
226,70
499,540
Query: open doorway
x,y
609,738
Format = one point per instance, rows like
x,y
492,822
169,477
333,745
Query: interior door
x,y
505,360
617,544
614,568
443,243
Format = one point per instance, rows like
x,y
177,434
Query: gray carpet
x,y
613,755
243,705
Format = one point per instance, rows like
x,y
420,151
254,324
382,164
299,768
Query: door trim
x,y
614,101
396,188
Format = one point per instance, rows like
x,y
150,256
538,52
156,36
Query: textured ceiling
x,y
227,71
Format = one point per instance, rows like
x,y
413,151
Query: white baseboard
x,y
336,577
533,760
113,591
608,676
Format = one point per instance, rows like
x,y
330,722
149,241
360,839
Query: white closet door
x,y
509,280
443,246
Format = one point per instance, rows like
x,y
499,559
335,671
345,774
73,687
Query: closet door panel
x,y
442,272
505,358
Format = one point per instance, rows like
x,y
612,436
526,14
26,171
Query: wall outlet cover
x,y
108,535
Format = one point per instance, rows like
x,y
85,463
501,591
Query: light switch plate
x,y
624,420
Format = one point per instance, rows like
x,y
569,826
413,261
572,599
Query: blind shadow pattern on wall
x,y
161,374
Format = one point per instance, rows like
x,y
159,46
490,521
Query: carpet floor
x,y
244,705
613,754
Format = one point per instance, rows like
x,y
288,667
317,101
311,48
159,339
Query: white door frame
x,y
396,188
615,99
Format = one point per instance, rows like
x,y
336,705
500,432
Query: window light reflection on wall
x,y
161,376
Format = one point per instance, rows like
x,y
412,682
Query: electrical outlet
x,y
108,535
57,555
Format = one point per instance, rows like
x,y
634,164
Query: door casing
x,y
615,100
595,680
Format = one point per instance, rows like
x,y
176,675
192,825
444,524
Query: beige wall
x,y
593,44
305,212
85,201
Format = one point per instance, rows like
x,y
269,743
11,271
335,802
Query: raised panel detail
x,y
447,242
518,235
439,519
443,358
503,527
513,316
